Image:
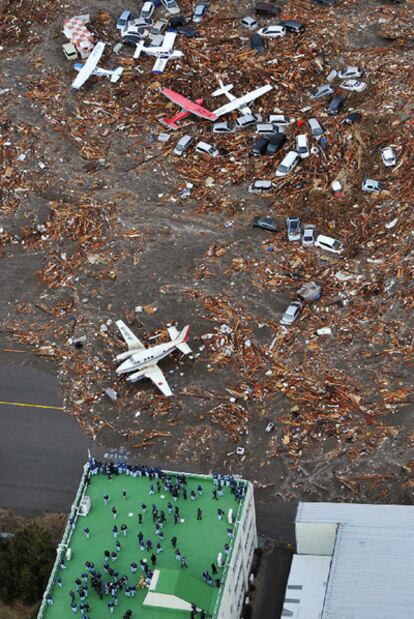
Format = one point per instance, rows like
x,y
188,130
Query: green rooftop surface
x,y
199,541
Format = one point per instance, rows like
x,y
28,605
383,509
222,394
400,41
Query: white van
x,y
206,149
329,244
288,163
182,145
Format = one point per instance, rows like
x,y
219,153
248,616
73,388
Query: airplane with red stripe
x,y
187,106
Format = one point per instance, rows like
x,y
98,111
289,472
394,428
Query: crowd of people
x,y
105,580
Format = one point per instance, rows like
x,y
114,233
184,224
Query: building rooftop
x,y
371,554
371,574
172,586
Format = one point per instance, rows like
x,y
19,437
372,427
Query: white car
x,y
206,149
350,72
266,129
281,120
272,31
308,237
291,314
329,244
249,22
171,6
147,11
355,85
302,146
388,157
287,164
371,185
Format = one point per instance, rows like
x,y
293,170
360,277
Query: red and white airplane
x,y
194,107
187,107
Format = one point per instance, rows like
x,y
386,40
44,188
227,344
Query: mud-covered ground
x,y
93,227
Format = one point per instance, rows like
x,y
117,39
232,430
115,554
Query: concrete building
x,y
212,517
353,561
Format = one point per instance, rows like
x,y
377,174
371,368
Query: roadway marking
x,y
56,408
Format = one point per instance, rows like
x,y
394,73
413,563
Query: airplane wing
x,y
129,337
159,65
89,66
241,101
168,42
156,375
188,105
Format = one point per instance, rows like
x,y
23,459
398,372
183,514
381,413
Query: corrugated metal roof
x,y
357,514
372,569
305,591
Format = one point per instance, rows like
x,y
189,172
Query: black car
x,y
352,118
266,9
258,43
259,147
266,223
275,143
186,31
177,21
335,105
325,2
292,25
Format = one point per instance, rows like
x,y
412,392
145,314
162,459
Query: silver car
x,y
171,6
199,11
315,128
224,127
291,314
322,91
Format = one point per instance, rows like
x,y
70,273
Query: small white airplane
x,y
239,102
114,74
143,361
89,66
163,53
225,90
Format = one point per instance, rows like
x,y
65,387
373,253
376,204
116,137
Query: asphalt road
x,y
42,450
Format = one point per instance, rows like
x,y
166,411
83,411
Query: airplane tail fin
x,y
116,74
179,338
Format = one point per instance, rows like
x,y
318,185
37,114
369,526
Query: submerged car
x,y
224,127
249,22
266,9
322,91
260,186
388,157
272,31
291,314
257,43
352,118
123,19
350,72
199,11
355,85
308,238
266,223
335,105
370,185
293,228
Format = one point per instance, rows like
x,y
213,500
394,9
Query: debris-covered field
x,y
95,227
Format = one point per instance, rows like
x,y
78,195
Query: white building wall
x,y
315,538
237,579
